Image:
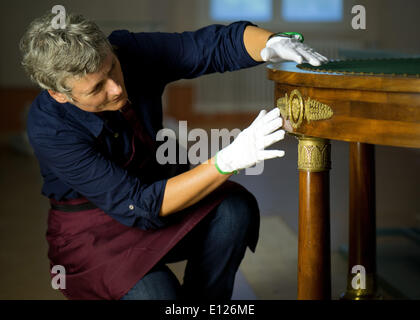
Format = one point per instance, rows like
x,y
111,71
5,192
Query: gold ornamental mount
x,y
296,109
314,154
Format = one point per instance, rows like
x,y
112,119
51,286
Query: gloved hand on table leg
x,y
249,146
290,49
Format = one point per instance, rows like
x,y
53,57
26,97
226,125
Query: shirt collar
x,y
90,120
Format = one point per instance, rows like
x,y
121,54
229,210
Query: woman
x,y
117,216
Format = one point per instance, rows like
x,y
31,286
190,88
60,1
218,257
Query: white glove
x,y
248,147
282,48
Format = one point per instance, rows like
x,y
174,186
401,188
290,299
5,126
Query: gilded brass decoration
x,y
369,293
314,154
296,109
282,105
315,110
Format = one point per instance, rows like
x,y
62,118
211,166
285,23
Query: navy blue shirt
x,y
65,137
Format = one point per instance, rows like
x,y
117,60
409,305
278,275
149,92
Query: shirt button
x,y
131,207
116,135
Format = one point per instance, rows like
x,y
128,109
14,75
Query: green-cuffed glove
x,y
289,46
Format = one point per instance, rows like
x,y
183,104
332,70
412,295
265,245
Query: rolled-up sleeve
x,y
78,164
215,48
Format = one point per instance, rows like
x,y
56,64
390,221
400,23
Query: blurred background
x,y
229,100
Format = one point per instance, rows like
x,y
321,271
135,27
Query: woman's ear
x,y
58,96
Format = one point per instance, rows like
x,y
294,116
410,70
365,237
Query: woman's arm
x,y
278,48
246,150
188,188
255,40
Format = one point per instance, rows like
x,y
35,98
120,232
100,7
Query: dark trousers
x,y
214,250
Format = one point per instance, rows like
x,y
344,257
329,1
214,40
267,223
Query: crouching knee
x,y
240,215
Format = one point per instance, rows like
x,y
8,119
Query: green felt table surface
x,y
397,66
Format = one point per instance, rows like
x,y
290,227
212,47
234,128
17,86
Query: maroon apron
x,y
103,258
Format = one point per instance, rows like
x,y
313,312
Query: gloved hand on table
x,y
287,48
248,147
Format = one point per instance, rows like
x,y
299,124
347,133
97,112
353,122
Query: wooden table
x,y
365,110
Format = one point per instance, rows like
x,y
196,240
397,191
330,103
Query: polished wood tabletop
x,y
376,109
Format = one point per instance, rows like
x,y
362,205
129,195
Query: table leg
x,y
314,257
361,282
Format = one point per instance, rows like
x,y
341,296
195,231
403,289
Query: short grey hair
x,y
51,55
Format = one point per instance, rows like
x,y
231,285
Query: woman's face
x,y
100,91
